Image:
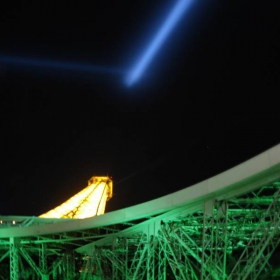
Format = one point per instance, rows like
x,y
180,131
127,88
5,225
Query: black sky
x,y
209,101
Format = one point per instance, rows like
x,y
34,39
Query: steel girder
x,y
231,239
224,239
261,245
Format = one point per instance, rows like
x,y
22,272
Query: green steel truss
x,y
234,238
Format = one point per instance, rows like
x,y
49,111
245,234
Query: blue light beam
x,y
80,67
172,19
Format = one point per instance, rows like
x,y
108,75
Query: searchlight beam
x,y
52,64
175,15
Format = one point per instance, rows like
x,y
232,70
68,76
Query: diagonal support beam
x,y
254,258
4,256
30,261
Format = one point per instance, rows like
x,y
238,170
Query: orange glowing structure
x,y
89,202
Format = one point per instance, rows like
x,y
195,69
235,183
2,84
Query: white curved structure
x,y
236,181
188,219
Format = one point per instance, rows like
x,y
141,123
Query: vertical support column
x,y
14,258
152,246
125,269
43,262
114,259
207,212
150,262
225,237
68,266
214,240
162,261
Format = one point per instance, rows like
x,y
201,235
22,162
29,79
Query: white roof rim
x,y
247,176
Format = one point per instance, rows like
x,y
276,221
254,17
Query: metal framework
x,y
226,227
89,202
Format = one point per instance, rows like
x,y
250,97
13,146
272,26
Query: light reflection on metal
x,y
169,24
89,202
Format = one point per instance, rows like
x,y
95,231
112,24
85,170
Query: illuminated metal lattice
x,y
89,202
226,227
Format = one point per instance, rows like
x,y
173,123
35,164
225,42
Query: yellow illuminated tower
x,y
89,202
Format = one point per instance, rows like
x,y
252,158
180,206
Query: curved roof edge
x,y
247,176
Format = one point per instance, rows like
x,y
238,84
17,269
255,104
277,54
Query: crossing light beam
x,y
173,18
60,65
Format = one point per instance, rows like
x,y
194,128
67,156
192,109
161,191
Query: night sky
x,y
208,101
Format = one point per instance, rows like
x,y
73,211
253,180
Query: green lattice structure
x,y
226,227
